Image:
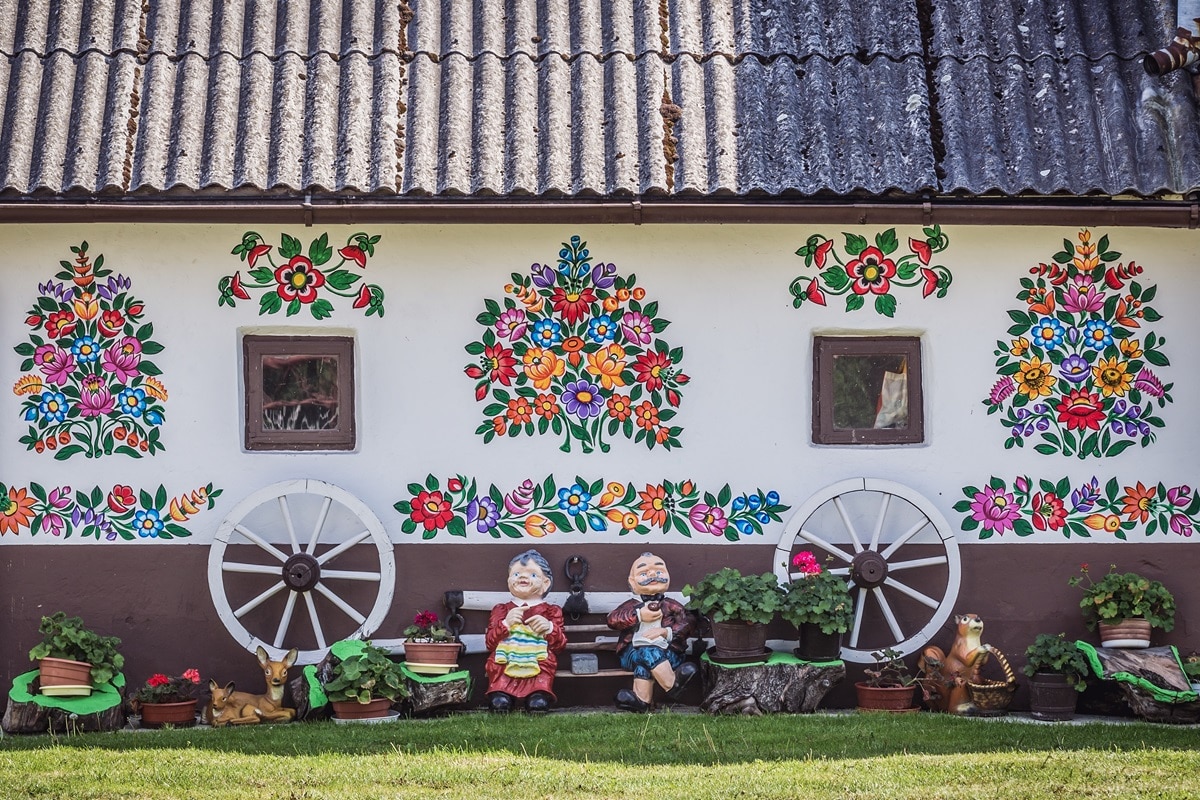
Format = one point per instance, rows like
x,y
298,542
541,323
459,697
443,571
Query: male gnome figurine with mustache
x,y
653,635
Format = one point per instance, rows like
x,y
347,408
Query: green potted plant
x,y
1057,672
738,607
818,603
71,658
429,646
1124,606
1191,668
888,685
365,685
168,699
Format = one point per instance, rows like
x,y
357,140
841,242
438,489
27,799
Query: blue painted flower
x,y
762,517
132,401
739,503
53,406
773,497
547,332
601,329
31,413
596,522
483,512
755,502
744,526
1097,334
85,349
1048,333
1075,368
154,418
147,523
573,500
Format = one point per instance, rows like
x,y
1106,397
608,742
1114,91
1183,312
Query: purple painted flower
x,y
708,519
1003,388
583,399
517,501
1181,524
56,290
637,327
115,284
483,512
1147,382
603,275
995,509
512,324
1075,368
1179,496
1021,484
1083,297
543,275
1083,498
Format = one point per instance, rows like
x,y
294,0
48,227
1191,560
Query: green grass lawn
x,y
607,755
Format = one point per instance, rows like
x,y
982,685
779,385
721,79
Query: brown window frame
x,y
825,350
254,347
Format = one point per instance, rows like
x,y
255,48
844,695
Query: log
x,y
794,687
1158,666
427,696
33,718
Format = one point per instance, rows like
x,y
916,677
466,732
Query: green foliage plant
x,y
66,637
1191,667
1050,653
818,597
730,596
889,670
366,677
1127,595
426,627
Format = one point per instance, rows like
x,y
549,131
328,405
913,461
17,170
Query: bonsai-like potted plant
x,y
818,603
1124,606
72,656
365,685
1057,672
429,646
888,684
164,699
738,608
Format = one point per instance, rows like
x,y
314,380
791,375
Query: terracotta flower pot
x,y
431,658
885,698
181,714
64,672
1126,633
351,709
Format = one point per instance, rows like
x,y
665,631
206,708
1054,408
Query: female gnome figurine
x,y
524,637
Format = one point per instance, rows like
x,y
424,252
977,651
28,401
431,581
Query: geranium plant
x,y
427,627
1050,653
730,596
889,670
90,386
1127,595
367,676
817,597
160,688
67,637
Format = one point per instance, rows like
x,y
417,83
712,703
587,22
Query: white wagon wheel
x,y
267,555
902,561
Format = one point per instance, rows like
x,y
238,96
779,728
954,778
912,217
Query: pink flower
x,y
192,675
122,359
708,519
807,563
1083,297
95,404
996,509
1001,390
54,362
637,327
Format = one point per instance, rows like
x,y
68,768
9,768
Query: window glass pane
x,y
870,391
300,392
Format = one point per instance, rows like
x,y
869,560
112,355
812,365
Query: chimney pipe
x,y
1184,49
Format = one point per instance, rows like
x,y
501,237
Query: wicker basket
x,y
994,695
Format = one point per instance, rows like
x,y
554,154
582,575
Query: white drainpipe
x,y
1184,49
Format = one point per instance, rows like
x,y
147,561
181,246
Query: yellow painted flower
x,y
27,384
1086,258
1019,347
1035,379
614,491
606,364
543,366
538,526
1110,523
1111,378
1131,348
87,306
155,389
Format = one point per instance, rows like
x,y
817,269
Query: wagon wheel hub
x,y
869,569
301,572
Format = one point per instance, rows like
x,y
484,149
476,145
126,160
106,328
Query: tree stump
x,y
783,684
30,713
1159,667
436,694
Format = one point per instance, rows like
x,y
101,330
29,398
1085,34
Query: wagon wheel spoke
x,y
877,530
338,526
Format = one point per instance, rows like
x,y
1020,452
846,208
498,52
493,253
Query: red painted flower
x,y
574,305
236,288
431,510
1081,409
120,499
814,293
931,282
355,254
256,252
499,361
649,368
871,272
364,297
1048,512
922,249
60,323
111,322
822,252
34,321
299,280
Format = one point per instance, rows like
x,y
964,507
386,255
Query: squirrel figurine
x,y
950,672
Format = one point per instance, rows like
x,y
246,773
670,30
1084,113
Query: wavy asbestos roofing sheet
x,y
589,98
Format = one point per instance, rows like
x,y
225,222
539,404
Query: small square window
x,y
867,390
299,392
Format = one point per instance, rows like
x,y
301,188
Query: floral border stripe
x,y
1053,506
540,509
108,516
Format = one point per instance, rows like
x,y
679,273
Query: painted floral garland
x,y
117,514
540,509
1055,506
1075,377
871,269
556,355
97,393
298,279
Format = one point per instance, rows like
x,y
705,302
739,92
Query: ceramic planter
x,y
739,641
352,709
181,714
816,645
1126,633
1051,698
431,658
64,677
885,698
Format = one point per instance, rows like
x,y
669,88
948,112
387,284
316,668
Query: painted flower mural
x,y
1079,374
540,509
89,386
287,275
871,271
1049,506
104,515
573,352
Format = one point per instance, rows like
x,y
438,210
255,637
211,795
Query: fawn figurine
x,y
229,707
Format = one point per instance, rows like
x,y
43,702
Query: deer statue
x,y
229,707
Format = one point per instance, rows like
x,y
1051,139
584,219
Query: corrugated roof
x,y
590,98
